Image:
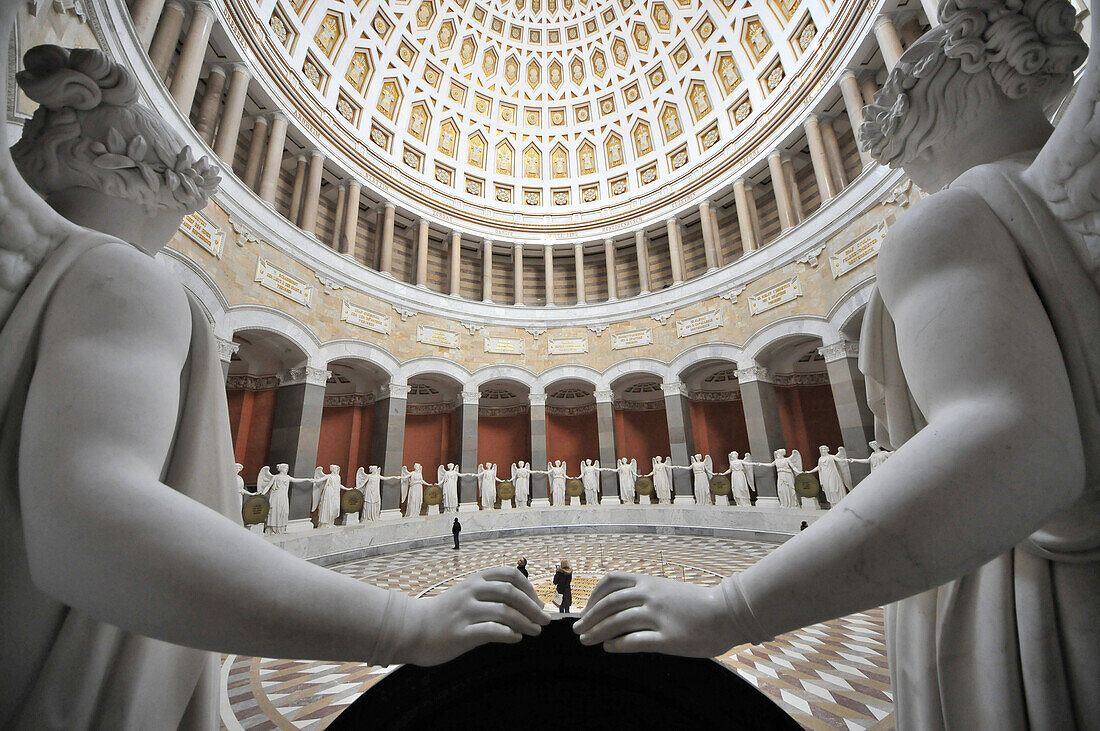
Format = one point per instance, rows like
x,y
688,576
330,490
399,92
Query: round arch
x,y
431,365
636,366
505,371
359,350
770,335
704,352
560,373
260,317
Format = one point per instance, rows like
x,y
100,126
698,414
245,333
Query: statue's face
x,y
780,453
375,470
873,445
282,468
238,466
334,468
823,449
733,455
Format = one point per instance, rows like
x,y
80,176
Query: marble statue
x,y
487,485
106,360
786,469
556,475
627,471
832,470
521,480
239,484
369,482
447,479
590,478
876,458
702,470
277,489
990,560
742,479
412,489
327,501
662,479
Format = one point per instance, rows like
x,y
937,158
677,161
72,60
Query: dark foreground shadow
x,y
554,682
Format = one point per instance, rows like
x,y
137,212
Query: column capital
x,y
302,158
775,155
812,118
456,236
848,74
839,351
704,204
604,397
753,373
673,388
203,8
352,183
177,5
217,68
578,247
278,116
226,349
239,67
486,242
881,20
396,390
537,399
389,206
518,246
640,235
672,220
471,398
304,374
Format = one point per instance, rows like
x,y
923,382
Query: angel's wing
x,y
439,474
796,461
1066,172
596,463
709,464
750,471
634,466
264,480
844,467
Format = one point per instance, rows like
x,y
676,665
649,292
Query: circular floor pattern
x,y
830,675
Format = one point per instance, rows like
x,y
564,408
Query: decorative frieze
x,y
203,232
366,319
305,374
711,320
628,405
862,249
810,258
753,373
273,278
436,336
443,407
801,379
717,396
570,410
839,351
504,346
632,339
776,295
498,411
251,383
348,399
567,346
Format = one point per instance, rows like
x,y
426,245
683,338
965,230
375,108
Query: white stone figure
x,y
521,480
742,479
627,471
590,478
106,360
876,458
326,501
833,472
370,484
412,489
447,479
662,479
278,495
983,527
556,474
239,483
786,469
487,484
702,470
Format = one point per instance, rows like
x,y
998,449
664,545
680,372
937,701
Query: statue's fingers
x,y
635,619
505,593
614,581
645,641
506,615
483,632
610,604
511,575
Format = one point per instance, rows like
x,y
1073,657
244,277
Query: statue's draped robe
x,y
1016,643
63,669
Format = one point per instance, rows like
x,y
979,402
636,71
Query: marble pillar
x,y
888,41
605,425
578,269
754,214
741,193
311,197
338,218
868,87
819,159
455,263
163,46
467,440
792,187
273,159
833,155
388,444
676,259
609,266
301,164
642,254
857,423
422,231
226,349
680,437
296,428
709,244
782,193
539,484
764,429
145,15
853,105
717,230
255,160
385,264
548,268
189,66
487,270
351,218
517,275
211,103
229,127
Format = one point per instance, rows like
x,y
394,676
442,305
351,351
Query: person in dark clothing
x,y
522,565
456,528
804,526
563,580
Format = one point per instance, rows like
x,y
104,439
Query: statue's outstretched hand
x,y
495,605
638,613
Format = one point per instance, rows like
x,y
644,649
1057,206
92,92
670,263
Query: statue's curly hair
x,y
1021,49
90,132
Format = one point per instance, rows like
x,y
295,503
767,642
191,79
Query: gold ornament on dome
x,y
631,93
532,163
678,159
661,17
643,141
705,29
532,198
313,73
504,195
504,158
358,70
474,187
418,121
641,37
586,154
482,104
489,62
775,77
618,187
743,110
700,100
557,117
476,153
590,26
448,139
590,194
614,148
581,113
571,33
498,25
388,98
710,137
681,56
725,72
406,53
559,162
756,39
553,74
424,14
599,63
806,37
446,35
328,34
443,175
576,68
432,75
507,113
381,25
346,109
648,175
534,72
278,27
511,70
467,50
670,122
656,77
619,52
561,198
785,8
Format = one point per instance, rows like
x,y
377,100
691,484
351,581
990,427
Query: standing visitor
x,y
456,528
563,579
522,566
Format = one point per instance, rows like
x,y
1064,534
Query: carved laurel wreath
x,y
181,175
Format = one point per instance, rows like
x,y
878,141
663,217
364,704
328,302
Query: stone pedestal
x,y
810,503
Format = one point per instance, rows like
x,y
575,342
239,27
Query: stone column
x,y
422,253
819,158
211,103
456,262
163,45
833,155
857,423
754,214
186,78
338,218
605,424
792,186
931,9
609,265
578,270
388,445
868,87
674,255
888,42
764,428
386,261
517,274
467,420
782,193
311,197
680,437
255,160
709,246
714,227
226,349
229,129
351,218
538,448
273,160
145,14
741,193
487,270
300,164
853,104
296,429
641,252
548,266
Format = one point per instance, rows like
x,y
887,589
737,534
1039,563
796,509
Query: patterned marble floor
x,y
832,675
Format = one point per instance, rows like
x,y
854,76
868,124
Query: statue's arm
x,y
103,403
